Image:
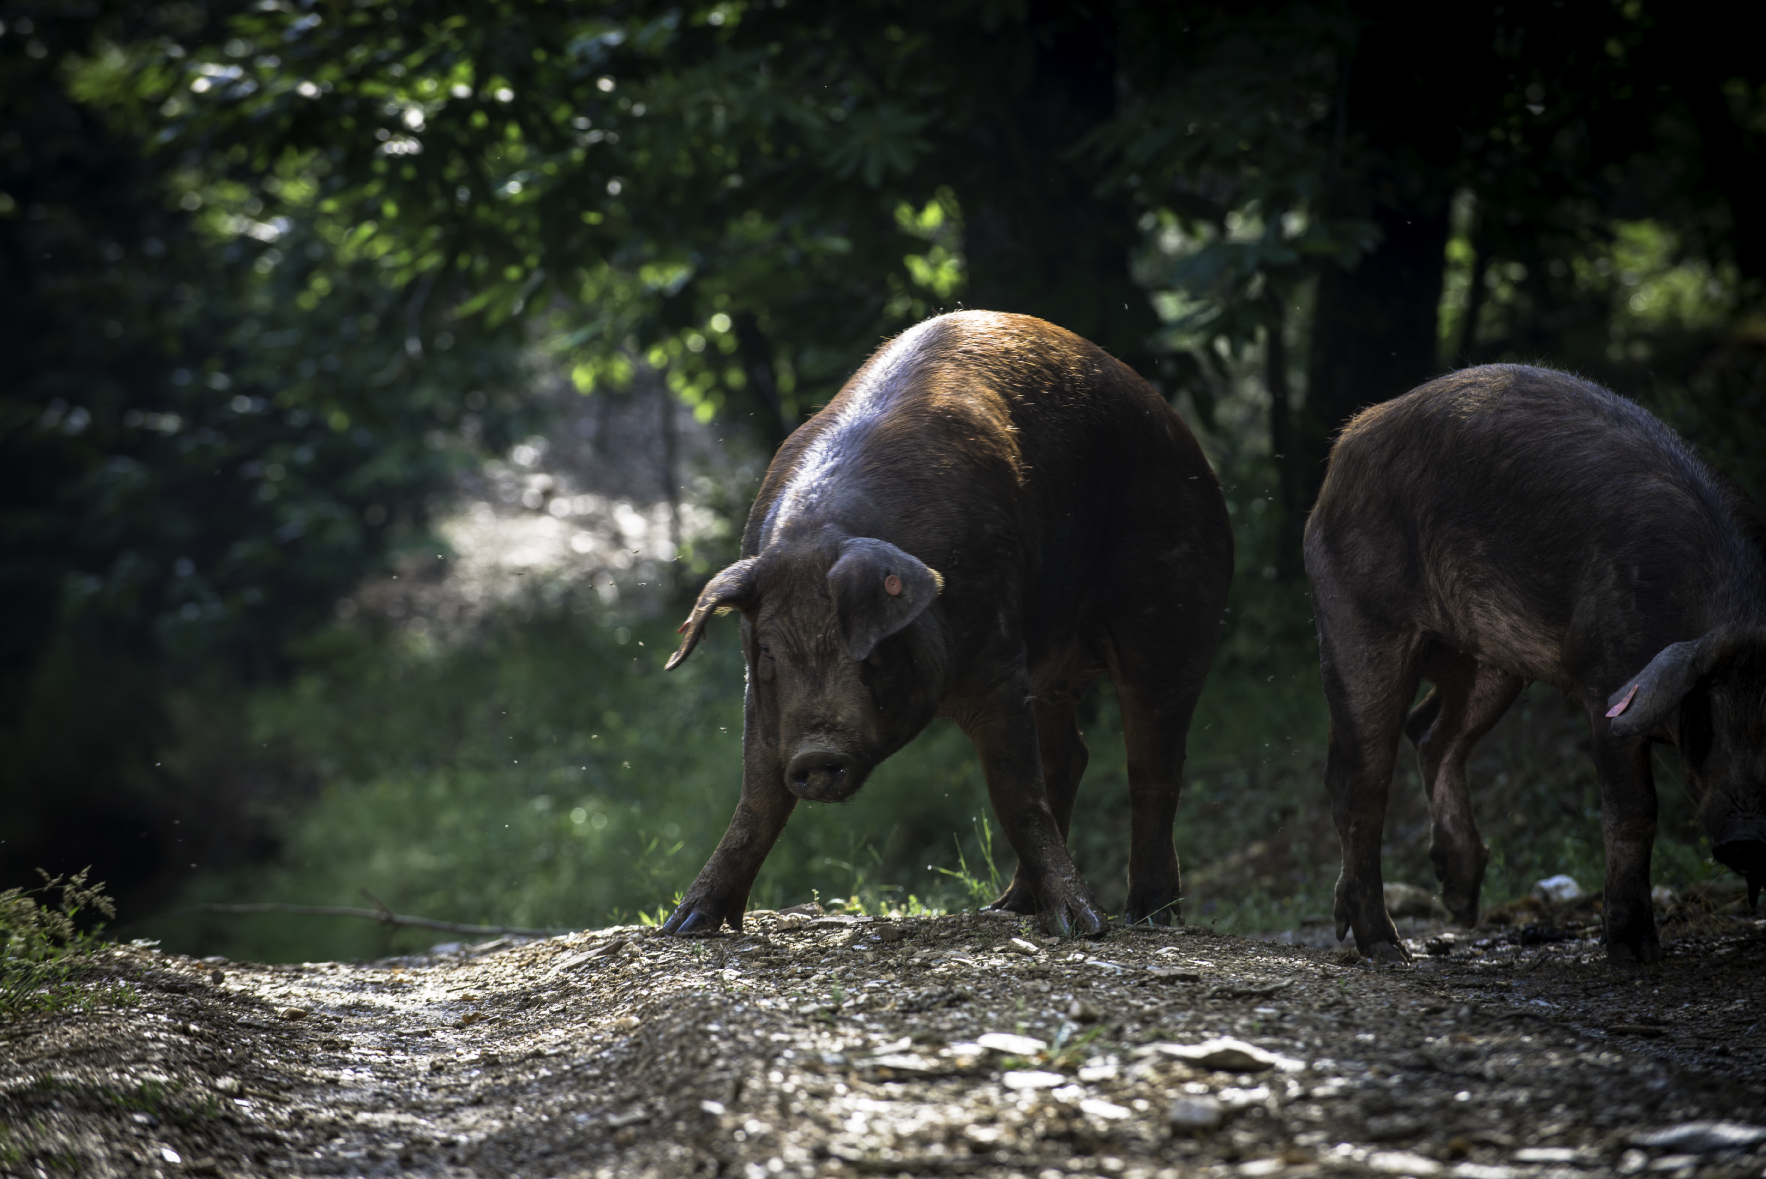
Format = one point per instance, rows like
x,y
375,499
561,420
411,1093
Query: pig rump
x,y
1506,524
990,515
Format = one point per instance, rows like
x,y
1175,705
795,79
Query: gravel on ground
x,y
833,1045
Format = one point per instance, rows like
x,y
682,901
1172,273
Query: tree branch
x,y
385,917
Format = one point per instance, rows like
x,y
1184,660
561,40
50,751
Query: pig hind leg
x,y
1155,726
1468,698
1370,676
1158,670
1004,731
1064,758
1628,827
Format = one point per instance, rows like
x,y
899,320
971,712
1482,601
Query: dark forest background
x,y
278,280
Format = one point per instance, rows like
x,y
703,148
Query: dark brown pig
x,y
1505,524
992,513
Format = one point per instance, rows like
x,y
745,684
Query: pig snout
x,y
820,773
1743,850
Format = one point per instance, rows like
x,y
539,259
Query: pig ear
x,y
878,589
1649,696
731,589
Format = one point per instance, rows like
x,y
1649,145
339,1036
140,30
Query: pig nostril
x,y
818,763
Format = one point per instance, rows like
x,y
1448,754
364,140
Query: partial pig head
x,y
839,677
1712,691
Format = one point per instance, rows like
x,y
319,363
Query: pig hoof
x,y
1624,954
696,923
1017,898
1388,952
1162,915
1079,921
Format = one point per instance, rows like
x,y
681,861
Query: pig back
x,y
1534,520
1003,451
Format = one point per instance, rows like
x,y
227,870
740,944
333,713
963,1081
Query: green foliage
x,y
216,420
979,891
271,271
720,191
45,956
1238,150
545,774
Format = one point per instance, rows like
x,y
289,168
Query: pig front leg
x,y
720,893
1002,725
1628,828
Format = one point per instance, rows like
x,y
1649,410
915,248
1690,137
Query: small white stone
x,y
1099,1108
1031,1079
1196,1113
1225,1054
1702,1137
1402,1162
1545,1154
1557,890
1244,1098
1009,1045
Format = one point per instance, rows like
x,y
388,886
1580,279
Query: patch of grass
x,y
978,891
548,774
46,959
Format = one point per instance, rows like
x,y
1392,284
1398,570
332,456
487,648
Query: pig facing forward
x,y
1505,524
992,513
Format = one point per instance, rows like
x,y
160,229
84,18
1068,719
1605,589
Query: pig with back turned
x,y
1506,524
990,515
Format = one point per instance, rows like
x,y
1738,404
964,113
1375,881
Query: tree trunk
x,y
1282,442
1373,333
1039,238
755,351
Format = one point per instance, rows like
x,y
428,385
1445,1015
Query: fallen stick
x,y
384,916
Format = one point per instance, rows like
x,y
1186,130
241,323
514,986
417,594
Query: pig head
x,y
839,674
1708,697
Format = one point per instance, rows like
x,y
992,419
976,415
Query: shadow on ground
x,y
826,1045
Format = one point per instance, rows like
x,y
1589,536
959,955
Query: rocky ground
x,y
827,1045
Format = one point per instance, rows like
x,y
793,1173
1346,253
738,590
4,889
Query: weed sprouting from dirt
x,y
980,892
44,955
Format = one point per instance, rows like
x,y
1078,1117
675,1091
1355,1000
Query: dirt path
x,y
829,1046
